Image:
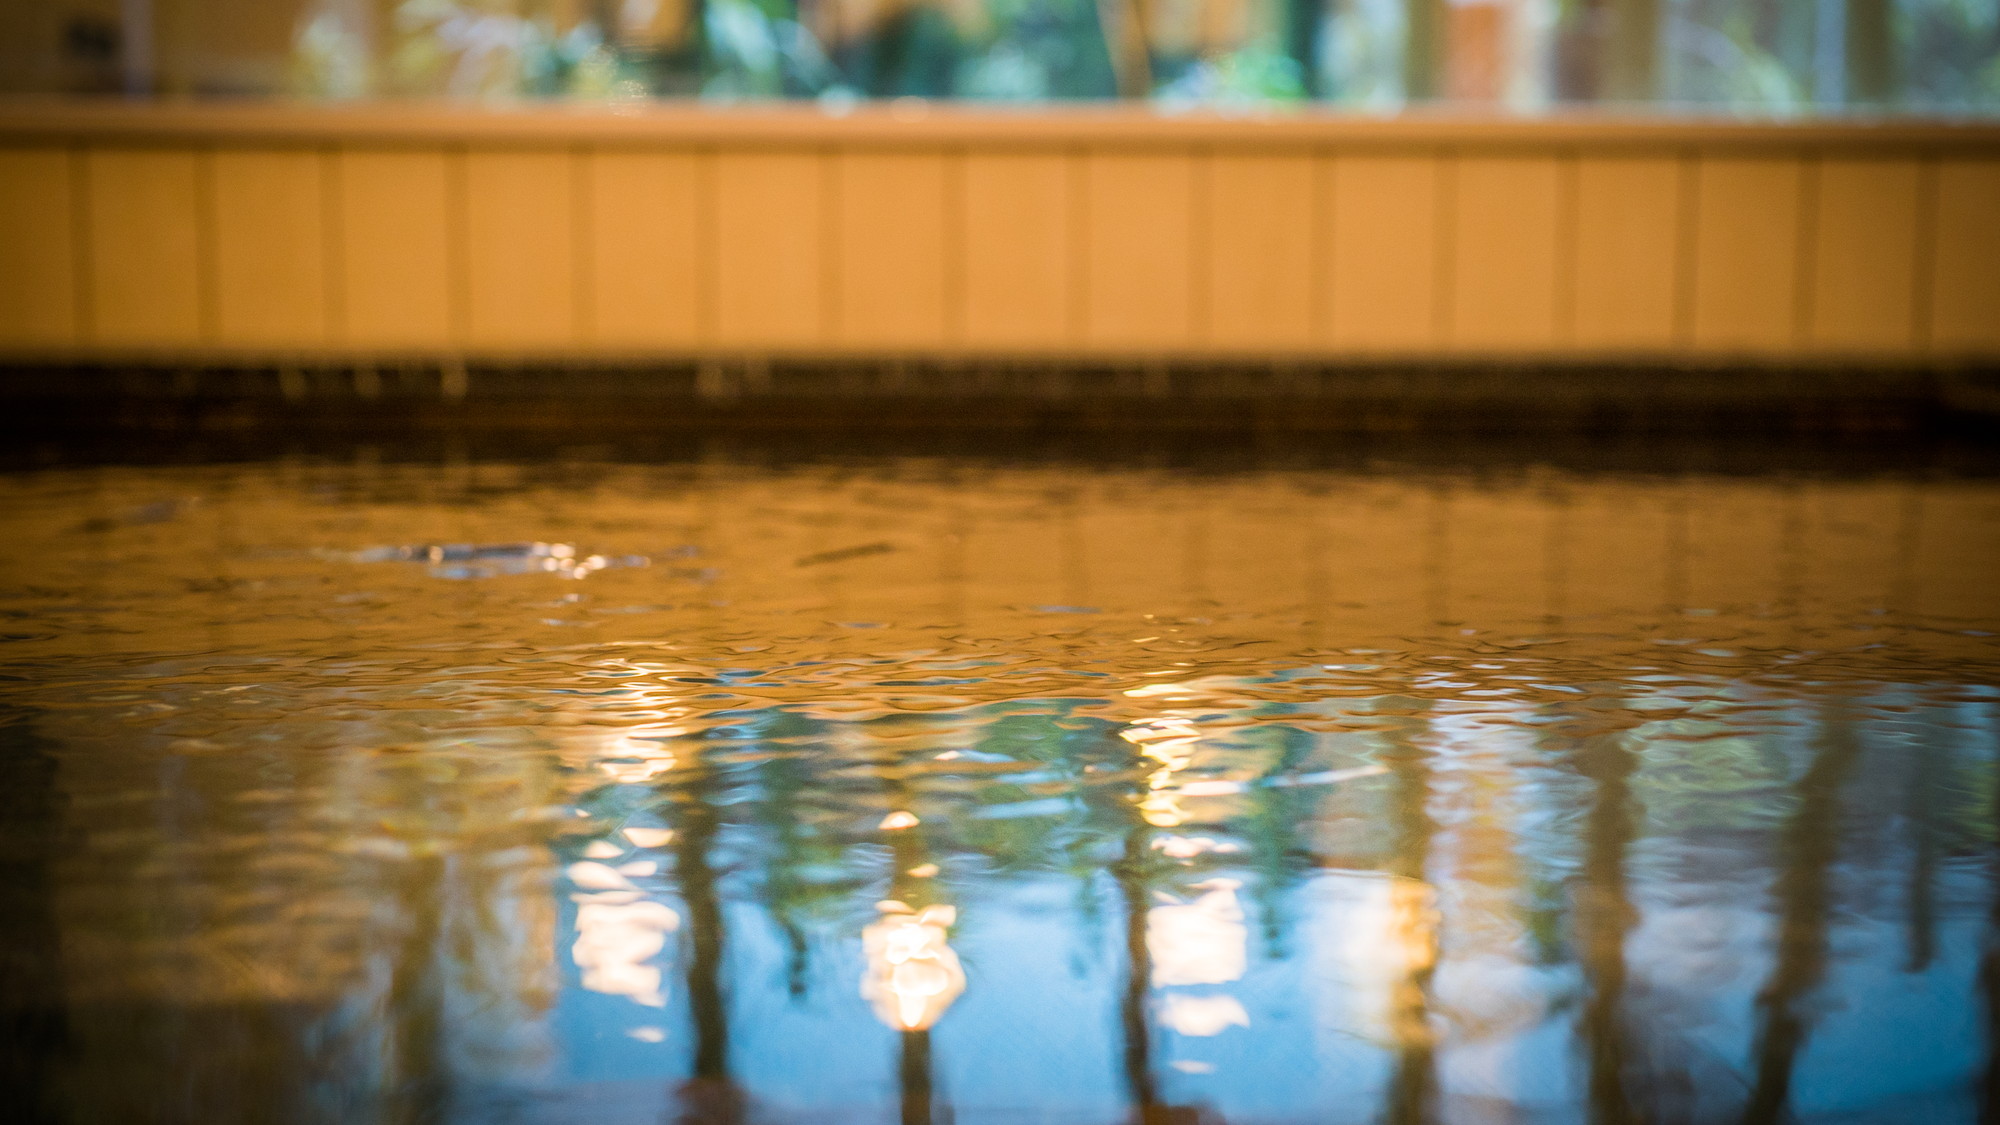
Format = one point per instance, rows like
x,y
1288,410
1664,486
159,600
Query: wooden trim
x,y
932,125
1075,231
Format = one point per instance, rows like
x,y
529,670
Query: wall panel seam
x,y
207,251
458,245
1806,281
1319,246
83,243
831,165
1201,255
1445,252
332,198
583,256
708,262
953,278
1687,244
1566,248
1923,262
1076,215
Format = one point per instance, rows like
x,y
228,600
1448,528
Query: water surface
x,y
931,790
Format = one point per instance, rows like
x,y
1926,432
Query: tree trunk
x,y
1871,53
1632,53
1423,49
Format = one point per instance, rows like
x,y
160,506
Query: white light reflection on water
x,y
1199,942
616,942
913,973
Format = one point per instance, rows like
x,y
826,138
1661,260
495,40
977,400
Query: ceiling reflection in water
x,y
930,791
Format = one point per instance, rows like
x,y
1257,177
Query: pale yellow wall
x,y
1147,246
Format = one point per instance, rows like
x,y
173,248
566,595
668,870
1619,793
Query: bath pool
x,y
573,788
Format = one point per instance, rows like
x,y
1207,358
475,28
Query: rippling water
x,y
948,790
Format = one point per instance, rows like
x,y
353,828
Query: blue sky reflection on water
x,y
1691,825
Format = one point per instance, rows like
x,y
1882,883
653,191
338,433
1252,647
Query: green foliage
x,y
1755,56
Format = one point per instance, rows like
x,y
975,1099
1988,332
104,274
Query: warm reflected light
x,y
635,757
898,819
922,871
1188,847
650,837
912,974
592,876
1409,927
1199,942
1170,741
614,942
1202,1015
603,849
1390,941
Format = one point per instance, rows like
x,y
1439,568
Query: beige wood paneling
x,y
646,242
891,231
1139,253
1019,250
395,249
145,247
270,248
770,238
1504,245
999,238
1627,252
37,248
1965,275
520,249
1261,232
1746,254
1381,253
1864,283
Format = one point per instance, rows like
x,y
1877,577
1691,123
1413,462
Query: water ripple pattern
x,y
934,790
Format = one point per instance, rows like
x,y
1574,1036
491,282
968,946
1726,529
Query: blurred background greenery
x,y
1766,57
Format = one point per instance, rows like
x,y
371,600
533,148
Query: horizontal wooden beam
x,y
916,122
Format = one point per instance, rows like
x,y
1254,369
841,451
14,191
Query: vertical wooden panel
x,y
1865,257
520,249
1018,248
770,230
145,247
1746,253
395,249
891,249
1505,241
270,248
1965,272
1381,253
1260,229
37,248
1627,252
1139,250
646,265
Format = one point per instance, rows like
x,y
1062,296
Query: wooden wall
x,y
328,233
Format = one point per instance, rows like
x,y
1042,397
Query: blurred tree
x,y
1423,49
1871,52
1608,50
1303,20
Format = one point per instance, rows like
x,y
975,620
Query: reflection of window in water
x,y
912,973
619,933
1204,942
1199,942
1169,741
